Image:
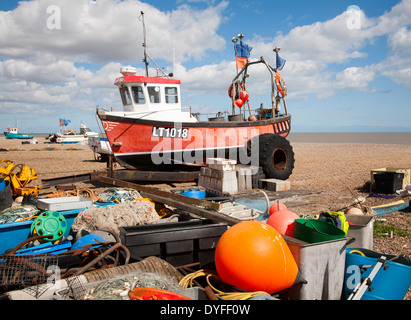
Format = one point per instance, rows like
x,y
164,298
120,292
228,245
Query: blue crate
x,y
12,234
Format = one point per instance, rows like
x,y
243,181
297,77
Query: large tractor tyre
x,y
275,156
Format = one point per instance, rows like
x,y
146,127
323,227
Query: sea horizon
x,y
400,138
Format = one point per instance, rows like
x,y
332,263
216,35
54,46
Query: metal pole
x,y
144,43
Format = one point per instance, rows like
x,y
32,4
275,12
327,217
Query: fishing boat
x,y
13,133
64,135
154,129
100,145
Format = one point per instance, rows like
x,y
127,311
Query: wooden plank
x,y
127,174
191,205
51,182
388,204
159,176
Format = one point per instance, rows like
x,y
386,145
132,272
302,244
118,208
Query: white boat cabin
x,y
12,130
150,98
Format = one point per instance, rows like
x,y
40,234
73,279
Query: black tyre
x,y
275,156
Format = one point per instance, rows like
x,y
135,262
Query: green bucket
x,y
313,231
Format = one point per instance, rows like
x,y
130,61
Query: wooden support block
x,y
275,185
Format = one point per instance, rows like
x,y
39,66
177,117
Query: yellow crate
x,y
406,172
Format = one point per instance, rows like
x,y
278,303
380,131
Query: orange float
x,y
253,256
277,207
283,222
142,293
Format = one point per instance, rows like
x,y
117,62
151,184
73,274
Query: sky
x,y
348,63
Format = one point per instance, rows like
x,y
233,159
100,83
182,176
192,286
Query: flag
x,y
242,53
64,122
241,62
243,50
280,62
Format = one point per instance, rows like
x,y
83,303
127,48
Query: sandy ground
x,y
335,173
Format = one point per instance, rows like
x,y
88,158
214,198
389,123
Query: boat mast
x,y
144,43
145,50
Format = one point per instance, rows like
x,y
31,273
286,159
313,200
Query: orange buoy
x,y
283,222
253,256
244,95
277,207
239,103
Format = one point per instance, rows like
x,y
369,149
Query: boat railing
x,y
275,99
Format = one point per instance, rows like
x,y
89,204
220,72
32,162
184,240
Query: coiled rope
x,y
188,281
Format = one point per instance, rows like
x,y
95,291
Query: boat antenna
x,y
141,18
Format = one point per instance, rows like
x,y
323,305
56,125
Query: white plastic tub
x,y
64,203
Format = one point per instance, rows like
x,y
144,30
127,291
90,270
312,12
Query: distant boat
x,y
71,136
12,133
100,145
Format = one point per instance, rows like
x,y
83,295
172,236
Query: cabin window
x,y
138,94
125,96
154,94
171,95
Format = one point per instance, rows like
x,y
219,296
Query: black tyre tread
x,y
266,143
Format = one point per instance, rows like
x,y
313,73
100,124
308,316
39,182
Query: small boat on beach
x,y
153,128
99,144
71,136
12,133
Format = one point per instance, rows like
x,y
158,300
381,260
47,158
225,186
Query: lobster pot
x,y
391,282
321,265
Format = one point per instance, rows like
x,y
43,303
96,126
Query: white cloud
x,y
355,78
46,66
108,30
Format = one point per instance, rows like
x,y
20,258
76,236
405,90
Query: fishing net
x,y
17,214
113,217
119,194
117,288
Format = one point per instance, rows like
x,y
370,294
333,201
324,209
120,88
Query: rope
x,y
188,281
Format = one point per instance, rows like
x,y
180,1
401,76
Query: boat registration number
x,y
172,132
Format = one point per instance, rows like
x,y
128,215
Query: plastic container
x,y
14,233
87,240
361,230
194,193
236,117
390,283
64,203
6,198
313,231
178,243
321,265
388,182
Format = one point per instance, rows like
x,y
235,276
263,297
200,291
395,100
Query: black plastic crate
x,y
388,182
178,243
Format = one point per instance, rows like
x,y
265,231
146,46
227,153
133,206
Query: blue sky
x,y
346,70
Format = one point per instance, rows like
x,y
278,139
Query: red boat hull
x,y
137,142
